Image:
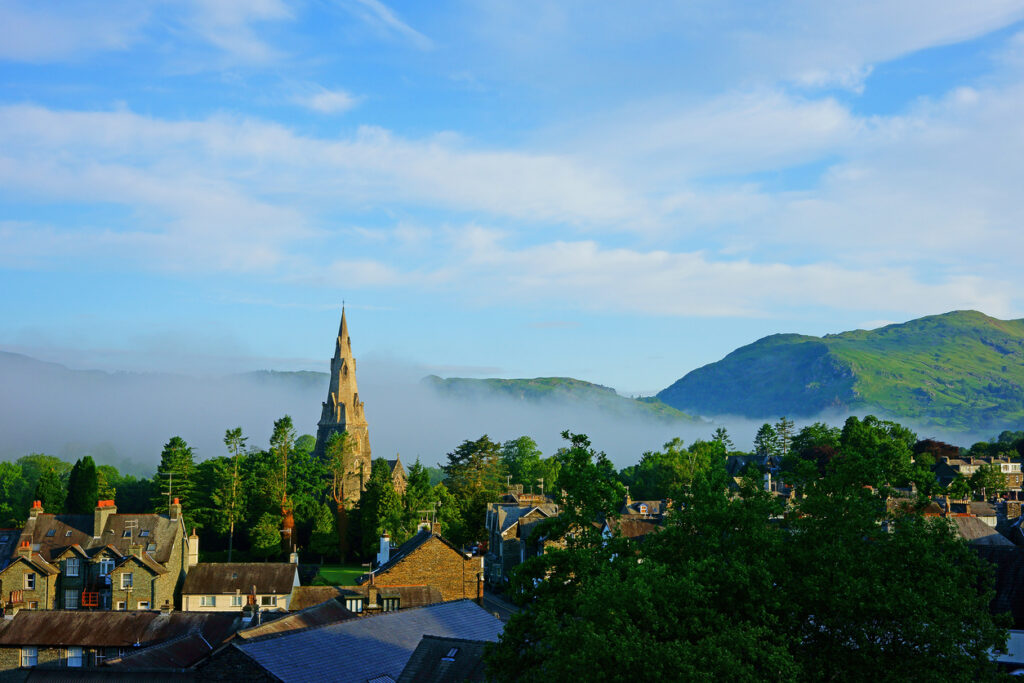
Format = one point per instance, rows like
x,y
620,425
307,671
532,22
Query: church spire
x,y
344,344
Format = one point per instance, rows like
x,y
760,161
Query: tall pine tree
x,y
83,488
380,508
177,467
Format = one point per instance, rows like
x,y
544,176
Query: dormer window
x,y
144,533
67,533
127,533
151,547
643,509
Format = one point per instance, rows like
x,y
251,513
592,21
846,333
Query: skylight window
x,y
51,532
151,547
144,532
67,533
127,533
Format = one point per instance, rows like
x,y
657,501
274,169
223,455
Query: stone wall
x,y
435,563
13,578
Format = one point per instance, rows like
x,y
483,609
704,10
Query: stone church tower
x,y
343,411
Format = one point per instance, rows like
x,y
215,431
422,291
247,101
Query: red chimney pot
x,y
176,501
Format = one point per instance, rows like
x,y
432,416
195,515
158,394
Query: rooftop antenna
x,y
170,487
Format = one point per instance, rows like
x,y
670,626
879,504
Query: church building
x,y
343,411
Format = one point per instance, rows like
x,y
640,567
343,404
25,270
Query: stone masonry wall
x,y
436,564
13,579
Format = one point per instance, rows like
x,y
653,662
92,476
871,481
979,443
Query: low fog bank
x,y
123,419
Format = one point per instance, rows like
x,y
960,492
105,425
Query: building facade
x,y
343,412
107,561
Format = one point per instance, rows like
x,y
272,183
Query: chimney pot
x,y
176,502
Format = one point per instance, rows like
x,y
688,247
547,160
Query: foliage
x,y
265,535
766,442
11,487
663,474
380,508
83,488
282,441
324,539
989,480
475,475
50,490
721,435
733,587
177,467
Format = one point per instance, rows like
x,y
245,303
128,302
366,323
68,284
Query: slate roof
x,y
70,530
409,596
330,612
8,544
360,649
633,507
976,532
54,628
220,578
631,527
430,662
508,515
175,654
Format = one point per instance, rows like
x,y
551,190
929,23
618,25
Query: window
x,y
236,600
30,581
106,566
100,656
450,657
151,547
268,600
389,604
643,509
144,533
143,604
354,604
74,656
33,604
67,534
121,605
72,566
127,533
208,601
29,655
51,532
126,580
70,598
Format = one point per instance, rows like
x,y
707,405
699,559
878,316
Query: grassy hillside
x,y
960,370
562,390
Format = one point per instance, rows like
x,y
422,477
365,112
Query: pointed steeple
x,y
344,345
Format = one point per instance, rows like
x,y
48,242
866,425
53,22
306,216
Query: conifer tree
x,y
177,466
83,488
380,507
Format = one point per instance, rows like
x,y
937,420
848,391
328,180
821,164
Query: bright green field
x,y
341,575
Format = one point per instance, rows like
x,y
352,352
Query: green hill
x,y
961,370
561,390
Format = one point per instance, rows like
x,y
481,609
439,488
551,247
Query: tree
x,y
324,539
265,535
380,507
784,430
12,487
734,588
475,475
339,454
766,442
721,435
83,488
523,461
989,480
817,435
50,490
235,442
175,473
281,441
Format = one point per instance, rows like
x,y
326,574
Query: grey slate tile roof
x,y
430,662
219,578
56,533
361,649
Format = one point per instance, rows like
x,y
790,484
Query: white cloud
x,y
378,14
328,101
43,32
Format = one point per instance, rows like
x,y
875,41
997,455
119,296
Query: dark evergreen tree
x,y
176,470
83,488
381,508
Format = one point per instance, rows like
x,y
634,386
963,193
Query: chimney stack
x,y
385,549
175,510
36,509
25,549
100,513
435,528
193,548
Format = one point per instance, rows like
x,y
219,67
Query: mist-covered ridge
x,y
960,371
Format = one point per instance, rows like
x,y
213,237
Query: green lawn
x,y
342,575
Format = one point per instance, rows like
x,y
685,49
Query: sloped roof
x,y
68,530
112,629
403,551
359,649
220,578
631,527
430,662
330,612
409,596
177,653
36,562
976,532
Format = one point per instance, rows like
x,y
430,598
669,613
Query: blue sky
x,y
619,192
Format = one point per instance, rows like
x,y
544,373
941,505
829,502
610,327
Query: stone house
x,y
947,469
107,561
82,639
510,526
427,559
229,586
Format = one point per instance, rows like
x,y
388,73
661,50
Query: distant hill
x,y
559,390
961,371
